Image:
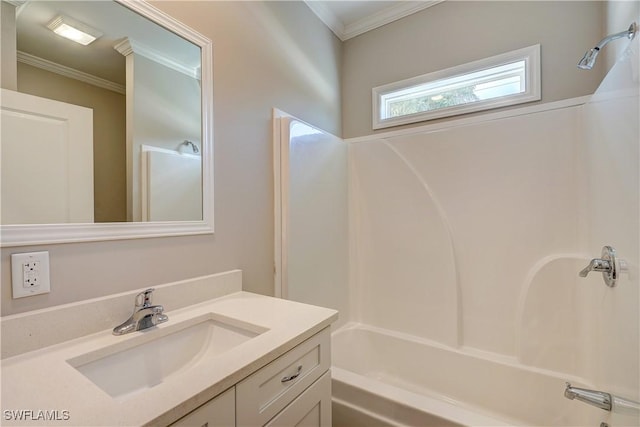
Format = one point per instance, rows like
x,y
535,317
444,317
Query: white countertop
x,y
43,380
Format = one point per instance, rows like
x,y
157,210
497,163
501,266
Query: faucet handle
x,y
596,264
143,299
607,264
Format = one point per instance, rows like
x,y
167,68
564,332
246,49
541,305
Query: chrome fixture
x,y
144,315
596,398
602,400
194,147
589,58
608,265
292,377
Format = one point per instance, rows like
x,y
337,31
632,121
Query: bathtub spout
x,y
595,398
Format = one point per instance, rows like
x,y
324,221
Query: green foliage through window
x,y
509,78
451,98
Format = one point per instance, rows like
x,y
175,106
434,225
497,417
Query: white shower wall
x,y
311,192
471,234
611,141
450,232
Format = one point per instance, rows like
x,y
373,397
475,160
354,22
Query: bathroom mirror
x,y
148,171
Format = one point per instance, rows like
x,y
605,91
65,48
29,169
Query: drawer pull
x,y
292,377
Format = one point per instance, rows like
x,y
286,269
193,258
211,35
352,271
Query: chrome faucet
x,y
603,400
144,315
599,399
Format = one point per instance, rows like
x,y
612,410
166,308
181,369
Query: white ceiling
x,y
350,18
99,59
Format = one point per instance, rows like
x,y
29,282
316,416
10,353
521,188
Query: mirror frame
x,y
37,234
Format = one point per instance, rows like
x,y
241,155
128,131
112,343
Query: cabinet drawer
x,y
311,409
263,394
218,412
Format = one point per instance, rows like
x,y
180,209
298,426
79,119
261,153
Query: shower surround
x,y
466,239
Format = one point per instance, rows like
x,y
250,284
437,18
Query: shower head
x,y
589,58
194,147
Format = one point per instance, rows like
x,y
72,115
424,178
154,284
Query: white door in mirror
x,y
30,274
47,161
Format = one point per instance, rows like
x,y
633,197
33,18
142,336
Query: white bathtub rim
x,y
487,356
447,409
380,418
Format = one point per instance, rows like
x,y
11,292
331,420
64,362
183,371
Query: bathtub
x,y
385,378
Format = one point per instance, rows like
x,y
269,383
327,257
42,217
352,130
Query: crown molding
x,y
386,16
16,3
327,17
54,67
368,23
124,47
128,46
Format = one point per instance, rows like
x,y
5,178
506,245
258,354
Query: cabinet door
x,y
311,409
266,392
218,412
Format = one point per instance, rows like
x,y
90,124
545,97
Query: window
x,y
507,79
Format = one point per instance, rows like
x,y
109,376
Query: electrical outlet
x,y
30,274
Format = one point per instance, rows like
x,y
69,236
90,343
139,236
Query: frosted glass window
x,y
506,79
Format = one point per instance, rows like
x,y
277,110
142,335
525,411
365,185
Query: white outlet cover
x,y
41,273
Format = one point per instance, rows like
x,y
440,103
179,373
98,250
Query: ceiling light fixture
x,y
73,30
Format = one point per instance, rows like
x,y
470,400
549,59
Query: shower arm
x,y
589,58
629,33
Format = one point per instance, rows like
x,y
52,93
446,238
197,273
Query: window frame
x,y
532,92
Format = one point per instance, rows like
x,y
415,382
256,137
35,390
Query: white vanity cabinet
x,y
311,409
273,390
292,390
218,412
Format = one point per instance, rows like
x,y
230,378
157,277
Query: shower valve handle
x,y
596,264
607,265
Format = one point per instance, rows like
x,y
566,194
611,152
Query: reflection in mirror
x,y
108,140
107,132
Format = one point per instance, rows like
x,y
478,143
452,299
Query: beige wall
x,y
8,46
457,32
108,133
166,112
619,15
272,54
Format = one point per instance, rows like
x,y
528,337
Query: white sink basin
x,y
155,355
